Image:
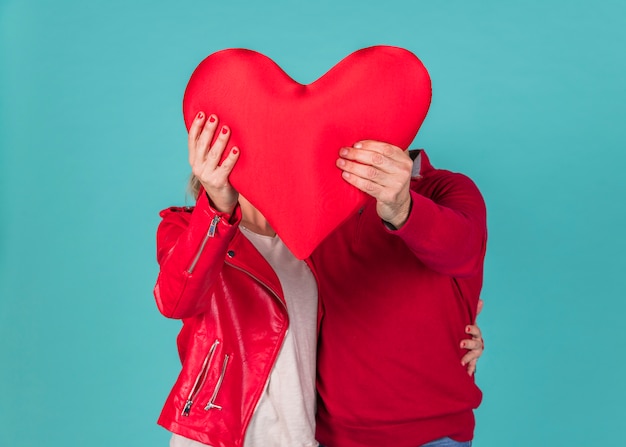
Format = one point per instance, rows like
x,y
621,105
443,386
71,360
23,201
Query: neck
x,y
253,220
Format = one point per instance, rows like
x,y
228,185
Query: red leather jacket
x,y
234,321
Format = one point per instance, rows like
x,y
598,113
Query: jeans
x,y
447,442
443,442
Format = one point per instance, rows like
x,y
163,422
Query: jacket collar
x,y
244,256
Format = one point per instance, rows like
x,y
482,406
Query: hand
x,y
204,159
475,345
384,172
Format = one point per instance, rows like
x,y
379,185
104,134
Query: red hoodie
x,y
395,307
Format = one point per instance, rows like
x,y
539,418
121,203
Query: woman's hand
x,y
475,345
384,172
204,159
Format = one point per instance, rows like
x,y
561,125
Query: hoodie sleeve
x,y
447,225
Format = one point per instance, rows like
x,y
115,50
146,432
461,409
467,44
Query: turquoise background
x,y
529,101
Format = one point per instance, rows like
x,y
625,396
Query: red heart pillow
x,y
290,134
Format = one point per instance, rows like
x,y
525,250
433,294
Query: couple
x,y
391,337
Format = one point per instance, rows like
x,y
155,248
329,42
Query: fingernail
x,y
211,119
224,130
200,115
463,344
467,329
358,145
235,151
343,152
341,162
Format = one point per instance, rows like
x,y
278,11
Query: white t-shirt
x,y
285,414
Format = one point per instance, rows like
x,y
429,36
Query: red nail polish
x,y
235,151
200,115
211,119
467,329
224,130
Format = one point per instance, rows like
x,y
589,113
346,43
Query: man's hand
x,y
384,172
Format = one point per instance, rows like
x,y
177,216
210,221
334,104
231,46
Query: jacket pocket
x,y
211,405
200,379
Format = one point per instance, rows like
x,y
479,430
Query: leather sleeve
x,y
191,245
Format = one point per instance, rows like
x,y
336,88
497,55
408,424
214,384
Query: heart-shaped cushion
x,y
290,134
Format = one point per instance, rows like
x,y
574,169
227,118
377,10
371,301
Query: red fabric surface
x,y
290,134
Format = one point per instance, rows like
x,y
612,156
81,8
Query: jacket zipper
x,y
212,405
210,233
277,298
200,379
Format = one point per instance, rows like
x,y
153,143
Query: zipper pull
x,y
213,225
187,407
211,406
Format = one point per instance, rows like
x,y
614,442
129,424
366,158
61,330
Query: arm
x,y
446,230
190,253
191,246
